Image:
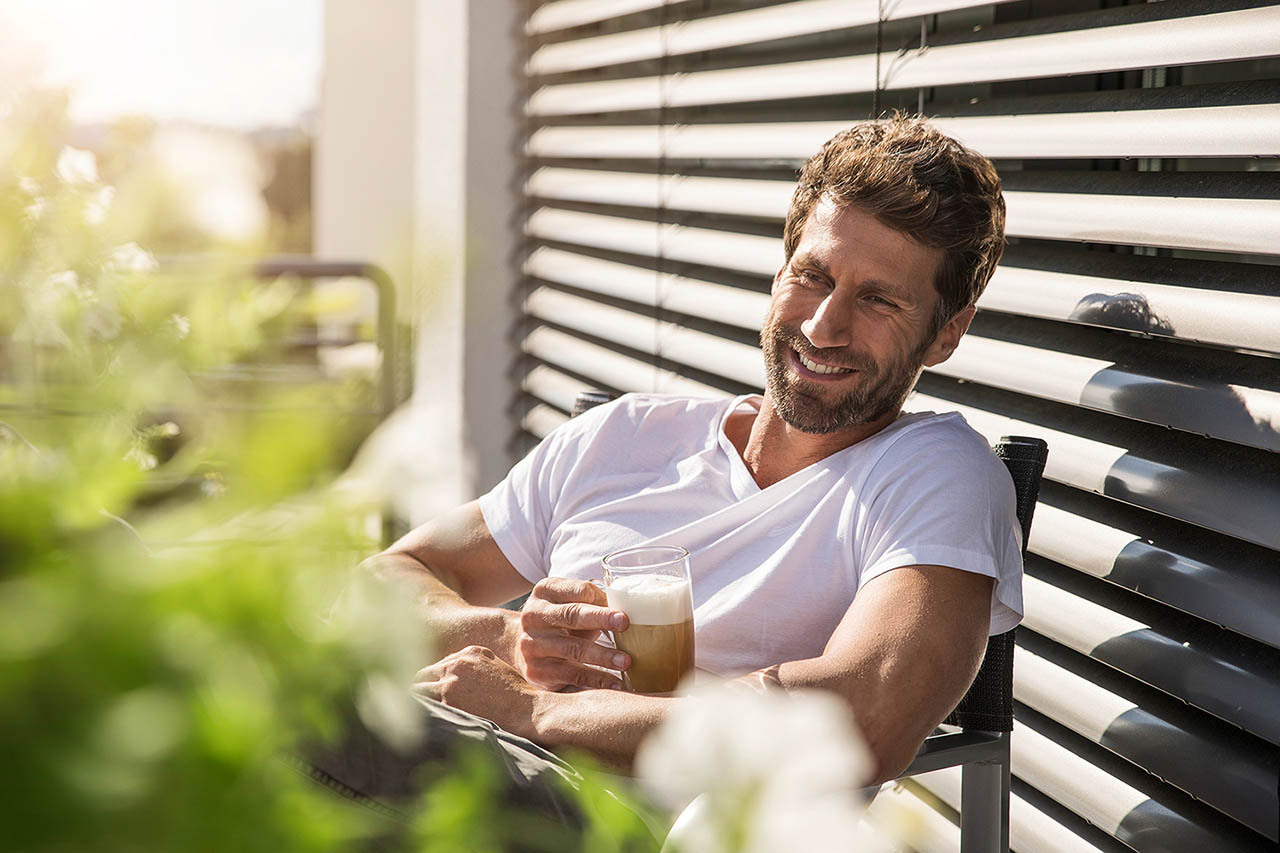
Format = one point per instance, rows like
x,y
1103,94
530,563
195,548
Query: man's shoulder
x,y
644,408
937,443
644,423
945,428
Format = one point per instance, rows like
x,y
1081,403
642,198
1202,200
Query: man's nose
x,y
831,324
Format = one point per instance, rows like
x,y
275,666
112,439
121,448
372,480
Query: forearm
x,y
891,725
454,623
896,701
608,724
902,657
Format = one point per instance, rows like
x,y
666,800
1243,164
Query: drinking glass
x,y
651,585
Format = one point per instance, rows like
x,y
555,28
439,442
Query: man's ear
x,y
949,337
777,277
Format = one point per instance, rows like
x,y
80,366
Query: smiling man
x,y
837,543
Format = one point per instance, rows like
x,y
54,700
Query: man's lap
x,y
364,767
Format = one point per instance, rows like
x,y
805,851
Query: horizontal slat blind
x,y
1243,34
1134,324
1233,131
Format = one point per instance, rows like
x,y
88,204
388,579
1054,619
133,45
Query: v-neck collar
x,y
743,484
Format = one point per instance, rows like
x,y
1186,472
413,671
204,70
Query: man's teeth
x,y
822,368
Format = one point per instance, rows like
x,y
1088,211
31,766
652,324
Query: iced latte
x,y
651,586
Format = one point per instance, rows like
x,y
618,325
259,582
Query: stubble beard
x,y
882,388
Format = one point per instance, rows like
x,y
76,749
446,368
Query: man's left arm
x,y
902,657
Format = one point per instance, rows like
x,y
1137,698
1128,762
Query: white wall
x,y
364,155
416,168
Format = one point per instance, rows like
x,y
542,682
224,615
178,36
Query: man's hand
x,y
557,645
610,724
475,679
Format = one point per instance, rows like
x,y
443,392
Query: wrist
x,y
507,632
456,625
546,717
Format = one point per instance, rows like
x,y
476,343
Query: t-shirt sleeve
x,y
944,499
520,510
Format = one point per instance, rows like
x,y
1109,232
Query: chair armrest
x,y
954,748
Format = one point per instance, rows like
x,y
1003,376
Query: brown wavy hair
x,y
916,179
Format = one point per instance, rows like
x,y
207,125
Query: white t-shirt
x,y
774,569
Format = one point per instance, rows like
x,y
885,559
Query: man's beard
x,y
881,388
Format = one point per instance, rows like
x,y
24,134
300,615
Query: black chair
x,y
985,714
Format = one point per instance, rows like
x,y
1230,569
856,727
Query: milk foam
x,y
651,599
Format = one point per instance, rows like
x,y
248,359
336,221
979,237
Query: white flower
x,y
66,281
95,209
77,166
181,325
143,458
130,257
772,771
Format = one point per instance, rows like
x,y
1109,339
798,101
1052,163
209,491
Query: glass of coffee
x,y
651,585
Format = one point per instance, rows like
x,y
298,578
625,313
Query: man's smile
x,y
810,369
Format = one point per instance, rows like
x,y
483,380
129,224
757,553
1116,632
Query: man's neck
x,y
774,450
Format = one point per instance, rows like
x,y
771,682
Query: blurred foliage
x,y
167,544
171,542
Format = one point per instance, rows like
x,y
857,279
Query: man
x,y
836,543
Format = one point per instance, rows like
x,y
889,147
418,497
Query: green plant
x,y
171,545
167,544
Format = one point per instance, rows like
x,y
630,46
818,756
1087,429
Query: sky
x,y
231,63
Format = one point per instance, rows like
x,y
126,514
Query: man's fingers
x,y
574,617
568,590
555,674
533,648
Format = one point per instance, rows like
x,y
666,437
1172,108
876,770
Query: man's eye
x,y
880,300
811,276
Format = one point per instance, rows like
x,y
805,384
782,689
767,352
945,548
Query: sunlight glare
x,y
234,63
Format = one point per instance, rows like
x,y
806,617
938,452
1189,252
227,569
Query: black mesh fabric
x,y
1024,457
988,705
589,400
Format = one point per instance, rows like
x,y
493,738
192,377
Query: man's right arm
x,y
463,577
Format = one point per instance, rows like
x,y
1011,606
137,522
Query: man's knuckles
x,y
533,648
575,616
531,619
526,646
579,616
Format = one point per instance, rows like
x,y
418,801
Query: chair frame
x,y
985,779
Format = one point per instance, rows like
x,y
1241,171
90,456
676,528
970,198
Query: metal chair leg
x,y
984,804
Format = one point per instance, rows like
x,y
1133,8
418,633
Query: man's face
x,y
848,328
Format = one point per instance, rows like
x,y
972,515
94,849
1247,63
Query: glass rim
x,y
678,555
